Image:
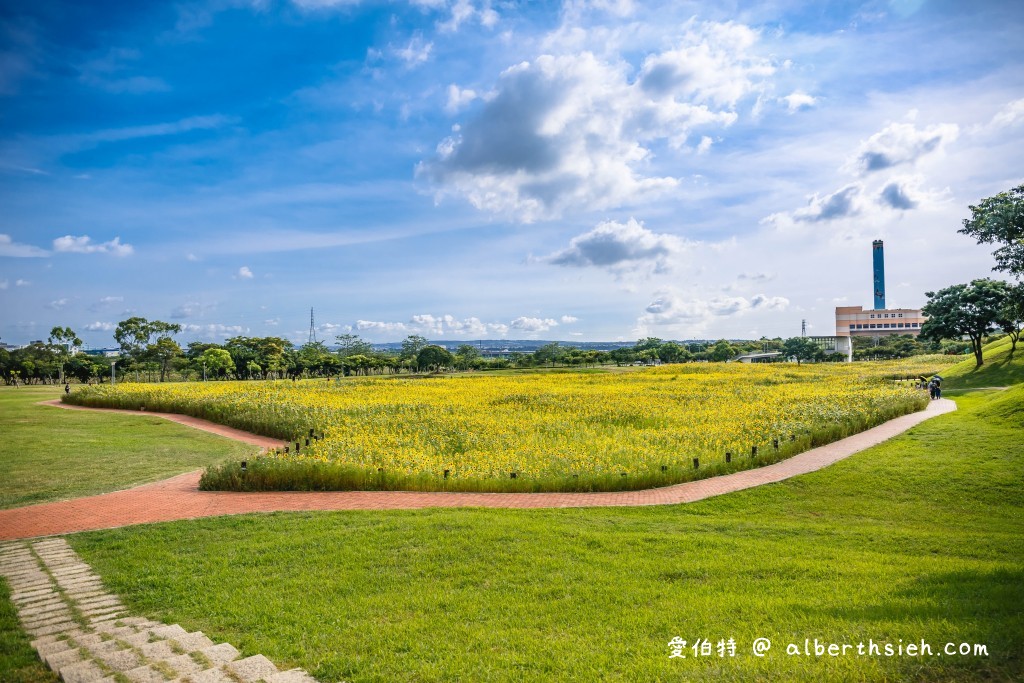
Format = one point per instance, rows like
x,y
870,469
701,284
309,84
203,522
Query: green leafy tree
x,y
802,348
671,352
163,351
549,353
217,361
432,357
467,357
64,341
412,345
353,345
972,310
722,351
1000,220
1011,317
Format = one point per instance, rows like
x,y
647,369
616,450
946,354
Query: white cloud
x,y
1010,115
619,247
100,327
8,247
673,312
58,304
84,245
416,52
244,273
524,324
797,100
458,98
191,257
374,326
4,284
840,204
569,319
272,322
191,309
901,143
214,330
21,283
574,131
463,11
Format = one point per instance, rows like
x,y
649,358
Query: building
x,y
854,321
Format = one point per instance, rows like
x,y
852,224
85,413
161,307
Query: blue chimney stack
x,y
879,261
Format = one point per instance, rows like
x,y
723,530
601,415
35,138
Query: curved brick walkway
x,y
178,498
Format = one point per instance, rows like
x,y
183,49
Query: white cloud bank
x,y
576,130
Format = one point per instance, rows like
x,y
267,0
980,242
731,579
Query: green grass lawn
x,y
48,453
1000,369
918,538
18,661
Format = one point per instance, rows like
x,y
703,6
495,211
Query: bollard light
x,y
243,465
728,456
753,451
696,463
512,475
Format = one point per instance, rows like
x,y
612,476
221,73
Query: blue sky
x,y
590,170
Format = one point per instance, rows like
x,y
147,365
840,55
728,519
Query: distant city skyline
x,y
596,170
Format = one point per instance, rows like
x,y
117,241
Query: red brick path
x,y
178,497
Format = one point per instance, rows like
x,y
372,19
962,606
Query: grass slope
x,y
1000,369
51,454
918,538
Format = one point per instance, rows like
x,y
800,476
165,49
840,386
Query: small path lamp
x,y
113,373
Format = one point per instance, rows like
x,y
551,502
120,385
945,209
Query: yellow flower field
x,y
541,425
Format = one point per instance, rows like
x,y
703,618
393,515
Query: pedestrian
x,y
938,388
932,389
67,388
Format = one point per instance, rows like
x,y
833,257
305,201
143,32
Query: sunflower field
x,y
536,431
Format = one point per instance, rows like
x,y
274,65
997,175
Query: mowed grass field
x,y
48,453
920,538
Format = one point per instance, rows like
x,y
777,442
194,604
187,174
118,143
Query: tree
x,y
1011,318
352,345
164,350
412,345
964,311
434,358
1000,220
722,351
63,340
467,357
135,337
802,348
549,353
217,361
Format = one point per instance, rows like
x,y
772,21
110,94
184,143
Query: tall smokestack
x,y
878,254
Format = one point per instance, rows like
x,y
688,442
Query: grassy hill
x,y
999,369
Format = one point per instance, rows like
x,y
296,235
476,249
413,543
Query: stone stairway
x,y
86,635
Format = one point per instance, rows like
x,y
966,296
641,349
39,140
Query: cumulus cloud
x,y
524,324
1010,115
574,130
671,310
619,246
895,195
214,330
244,273
841,203
458,98
191,309
798,100
374,326
416,52
901,143
463,11
8,247
100,327
85,245
569,319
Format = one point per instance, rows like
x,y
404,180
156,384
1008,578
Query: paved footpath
x,y
85,634
179,498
